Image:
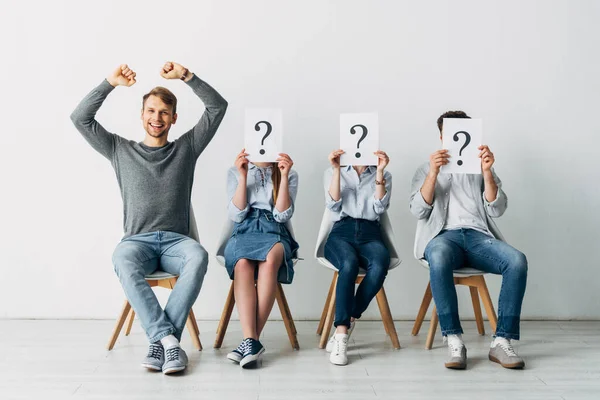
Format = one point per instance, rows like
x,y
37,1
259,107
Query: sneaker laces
x,y
508,349
173,353
246,346
455,350
155,351
341,345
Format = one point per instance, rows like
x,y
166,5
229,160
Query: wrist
x,y
432,175
187,75
111,82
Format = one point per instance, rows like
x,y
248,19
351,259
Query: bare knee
x,y
244,268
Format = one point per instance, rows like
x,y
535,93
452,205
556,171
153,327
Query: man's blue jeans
x,y
353,244
140,255
454,249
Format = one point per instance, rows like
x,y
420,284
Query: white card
x,y
359,138
462,137
263,132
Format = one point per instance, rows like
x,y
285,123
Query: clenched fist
x,y
122,76
173,70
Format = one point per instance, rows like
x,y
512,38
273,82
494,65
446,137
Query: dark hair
x,y
450,114
164,94
276,178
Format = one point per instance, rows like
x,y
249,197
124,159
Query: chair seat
x,y
461,272
158,275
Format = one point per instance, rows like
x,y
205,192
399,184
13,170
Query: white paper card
x,y
462,137
263,132
359,138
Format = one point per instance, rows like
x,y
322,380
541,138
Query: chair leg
x,y
192,317
432,328
194,321
487,303
330,315
386,317
422,310
477,310
225,316
192,329
119,325
130,322
286,307
325,307
286,318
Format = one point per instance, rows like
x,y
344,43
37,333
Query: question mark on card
x,y
363,136
467,141
269,128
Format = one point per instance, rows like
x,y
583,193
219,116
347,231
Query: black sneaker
x,y
253,351
237,354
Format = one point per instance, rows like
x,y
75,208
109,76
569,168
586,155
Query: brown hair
x,y
276,177
164,94
450,114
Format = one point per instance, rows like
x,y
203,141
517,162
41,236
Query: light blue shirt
x,y
357,194
259,192
434,217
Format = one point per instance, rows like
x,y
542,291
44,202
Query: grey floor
x,y
67,359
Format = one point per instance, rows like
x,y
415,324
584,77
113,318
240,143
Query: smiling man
x,y
155,177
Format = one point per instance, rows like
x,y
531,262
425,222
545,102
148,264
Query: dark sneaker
x,y
176,360
504,354
155,358
252,353
457,354
237,354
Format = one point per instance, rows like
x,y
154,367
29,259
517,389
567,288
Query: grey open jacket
x,y
431,218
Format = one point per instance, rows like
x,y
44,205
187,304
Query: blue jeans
x,y
454,249
140,255
353,244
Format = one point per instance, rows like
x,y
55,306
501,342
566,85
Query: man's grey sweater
x,y
155,182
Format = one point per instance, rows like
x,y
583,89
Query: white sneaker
x,y
331,341
338,352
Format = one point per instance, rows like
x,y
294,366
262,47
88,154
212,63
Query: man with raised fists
x,y
155,178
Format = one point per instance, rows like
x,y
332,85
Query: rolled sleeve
x,y
498,206
284,216
418,206
330,203
380,205
234,213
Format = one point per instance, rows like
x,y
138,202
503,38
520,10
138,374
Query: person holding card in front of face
x,y
260,251
356,196
455,212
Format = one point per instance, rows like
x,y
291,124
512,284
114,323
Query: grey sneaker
x,y
155,358
331,341
457,356
237,354
176,360
504,354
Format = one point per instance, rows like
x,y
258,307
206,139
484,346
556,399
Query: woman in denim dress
x,y
356,196
260,251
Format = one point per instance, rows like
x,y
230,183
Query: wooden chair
x,y
162,279
327,315
282,303
471,277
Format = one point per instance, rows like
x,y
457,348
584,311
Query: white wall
x,y
529,69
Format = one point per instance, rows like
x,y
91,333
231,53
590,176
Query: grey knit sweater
x,y
155,182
